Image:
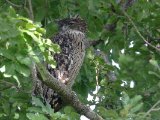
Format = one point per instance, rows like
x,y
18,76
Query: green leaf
x,y
24,19
30,26
3,69
125,98
107,113
2,114
125,59
24,60
6,53
36,116
55,48
41,30
74,116
154,63
16,116
136,108
22,69
12,11
68,109
112,114
135,100
10,69
4,27
37,102
49,109
17,80
35,109
34,37
6,108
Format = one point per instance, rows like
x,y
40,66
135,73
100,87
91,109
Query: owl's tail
x,y
48,96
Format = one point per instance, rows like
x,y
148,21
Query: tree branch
x,y
69,96
138,32
30,9
153,108
15,5
93,43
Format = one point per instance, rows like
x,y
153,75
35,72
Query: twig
x,y
30,9
128,4
156,109
138,32
26,9
153,108
93,43
97,74
28,12
13,4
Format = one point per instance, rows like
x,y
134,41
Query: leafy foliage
x,y
121,74
22,44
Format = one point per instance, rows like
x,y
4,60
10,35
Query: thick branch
x,y
68,95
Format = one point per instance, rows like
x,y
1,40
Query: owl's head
x,y
75,23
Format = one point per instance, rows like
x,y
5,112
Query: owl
x,y
71,39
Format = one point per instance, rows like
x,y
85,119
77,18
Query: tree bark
x,y
67,94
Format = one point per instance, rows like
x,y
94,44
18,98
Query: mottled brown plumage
x,y
71,38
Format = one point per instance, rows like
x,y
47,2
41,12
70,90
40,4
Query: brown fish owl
x,y
71,39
